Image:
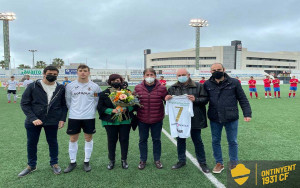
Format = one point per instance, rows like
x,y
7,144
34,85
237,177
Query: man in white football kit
x,y
180,111
12,88
27,81
82,99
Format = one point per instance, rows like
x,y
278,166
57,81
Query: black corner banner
x,y
264,174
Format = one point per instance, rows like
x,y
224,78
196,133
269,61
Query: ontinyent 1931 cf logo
x,y
240,174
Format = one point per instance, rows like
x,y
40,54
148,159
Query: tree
x,y
40,65
22,66
57,62
2,64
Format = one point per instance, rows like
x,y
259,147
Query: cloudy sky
x,y
117,31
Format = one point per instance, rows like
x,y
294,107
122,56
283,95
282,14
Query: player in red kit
x,y
276,86
267,85
202,80
162,81
252,87
293,87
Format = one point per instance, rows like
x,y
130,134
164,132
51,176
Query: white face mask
x,y
149,80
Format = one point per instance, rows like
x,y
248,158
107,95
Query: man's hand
x,y
247,119
168,97
191,97
37,122
61,124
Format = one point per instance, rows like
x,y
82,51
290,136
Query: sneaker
x,y
15,101
56,169
8,101
86,166
70,167
266,97
111,165
124,164
158,164
178,165
204,167
218,168
142,165
27,171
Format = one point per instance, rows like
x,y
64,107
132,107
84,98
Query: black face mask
x,y
116,85
218,75
51,78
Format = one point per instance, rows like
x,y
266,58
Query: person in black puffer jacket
x,y
224,95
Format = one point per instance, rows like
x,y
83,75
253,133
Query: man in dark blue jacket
x,y
43,102
224,94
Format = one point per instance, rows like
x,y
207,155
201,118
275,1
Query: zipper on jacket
x,y
49,105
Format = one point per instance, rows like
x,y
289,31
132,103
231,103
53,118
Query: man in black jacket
x,y
43,102
224,94
198,96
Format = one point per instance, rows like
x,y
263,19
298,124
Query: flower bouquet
x,y
122,99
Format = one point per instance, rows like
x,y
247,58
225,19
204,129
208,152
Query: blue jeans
x,y
33,135
199,147
143,143
231,132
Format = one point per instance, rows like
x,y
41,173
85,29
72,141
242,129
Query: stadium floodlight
x,y
33,64
6,17
198,23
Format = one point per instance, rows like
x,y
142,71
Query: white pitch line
x,y
209,176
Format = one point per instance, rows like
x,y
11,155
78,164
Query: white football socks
x,y
8,97
73,148
88,148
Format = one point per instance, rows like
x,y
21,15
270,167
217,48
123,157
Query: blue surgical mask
x,y
182,79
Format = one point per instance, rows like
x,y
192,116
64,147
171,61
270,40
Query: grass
x,y
271,135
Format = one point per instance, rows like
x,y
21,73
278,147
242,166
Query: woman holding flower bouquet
x,y
115,106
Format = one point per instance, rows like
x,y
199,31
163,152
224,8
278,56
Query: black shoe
x,y
178,165
124,164
27,171
86,166
70,167
56,169
204,167
111,165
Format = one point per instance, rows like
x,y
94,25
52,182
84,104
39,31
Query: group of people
x,y
276,86
46,104
267,86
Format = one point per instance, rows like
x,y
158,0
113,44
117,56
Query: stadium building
x,y
233,57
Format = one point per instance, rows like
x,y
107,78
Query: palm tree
x,y
22,66
40,65
57,62
2,64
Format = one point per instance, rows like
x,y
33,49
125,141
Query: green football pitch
x,y
272,134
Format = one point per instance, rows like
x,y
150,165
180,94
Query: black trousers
x,y
115,133
33,135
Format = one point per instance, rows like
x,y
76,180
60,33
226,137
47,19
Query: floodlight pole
x,y
33,64
198,23
6,17
6,43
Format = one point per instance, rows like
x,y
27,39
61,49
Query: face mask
x,y
149,80
51,78
218,75
182,79
116,85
